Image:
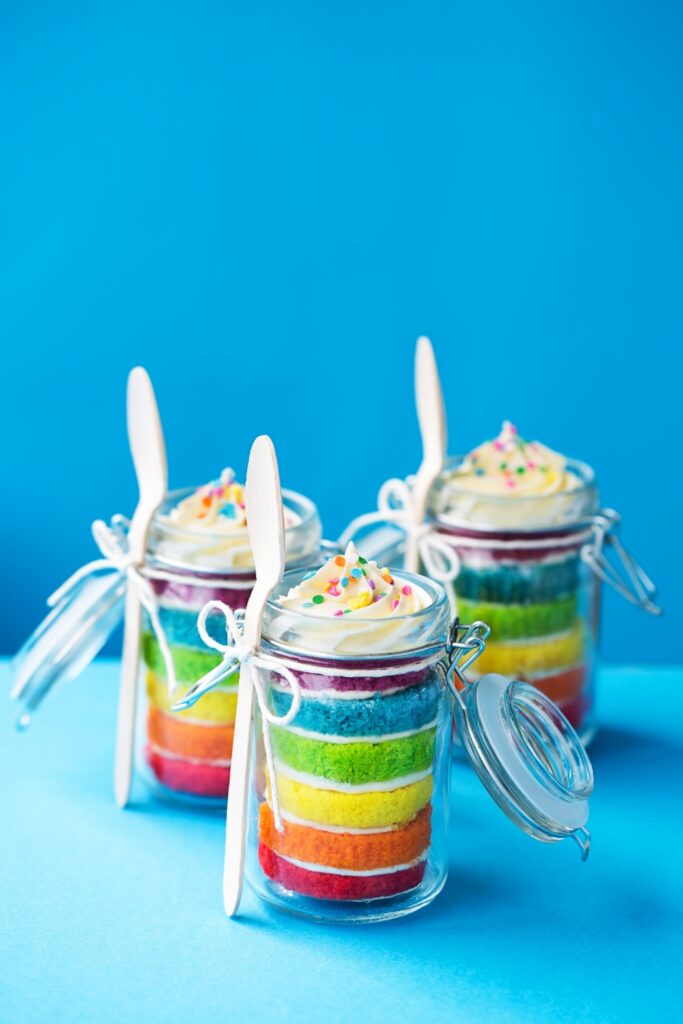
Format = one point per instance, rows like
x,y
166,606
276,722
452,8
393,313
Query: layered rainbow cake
x,y
503,510
355,767
188,751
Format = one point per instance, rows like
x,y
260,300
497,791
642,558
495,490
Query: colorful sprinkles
x,y
359,585
508,458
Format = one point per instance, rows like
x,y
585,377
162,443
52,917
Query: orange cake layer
x,y
187,739
352,851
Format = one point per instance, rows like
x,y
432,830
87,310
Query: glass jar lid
x,y
85,612
522,748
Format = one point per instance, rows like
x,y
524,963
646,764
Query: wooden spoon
x,y
432,418
147,447
263,500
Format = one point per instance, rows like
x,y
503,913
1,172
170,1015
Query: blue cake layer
x,y
522,583
180,627
410,709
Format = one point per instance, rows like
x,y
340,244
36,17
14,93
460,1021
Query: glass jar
x,y
361,771
348,808
530,567
187,754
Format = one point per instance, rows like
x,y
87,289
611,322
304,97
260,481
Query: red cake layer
x,y
563,686
577,711
187,776
337,887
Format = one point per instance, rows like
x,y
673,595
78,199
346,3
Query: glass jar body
x,y
362,789
186,755
542,602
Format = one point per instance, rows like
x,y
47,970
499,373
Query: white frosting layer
x,y
339,694
325,870
171,756
337,829
377,738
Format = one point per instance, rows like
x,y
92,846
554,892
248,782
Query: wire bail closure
x,y
633,583
468,643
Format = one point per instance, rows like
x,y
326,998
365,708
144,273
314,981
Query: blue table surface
x,y
112,915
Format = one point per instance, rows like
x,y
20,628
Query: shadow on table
x,y
612,744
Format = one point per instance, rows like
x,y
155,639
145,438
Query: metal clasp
x,y
628,577
463,646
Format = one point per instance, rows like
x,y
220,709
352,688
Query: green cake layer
x,y
189,664
515,621
355,763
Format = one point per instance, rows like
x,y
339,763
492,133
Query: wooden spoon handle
x,y
238,797
147,447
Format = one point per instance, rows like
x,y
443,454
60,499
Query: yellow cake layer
x,y
522,659
215,706
353,810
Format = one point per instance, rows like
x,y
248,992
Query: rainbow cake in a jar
x,y
355,767
517,515
199,551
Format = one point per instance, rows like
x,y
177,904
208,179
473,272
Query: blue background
x,y
266,203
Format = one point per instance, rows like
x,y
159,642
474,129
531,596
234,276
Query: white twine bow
x,y
111,540
251,658
395,505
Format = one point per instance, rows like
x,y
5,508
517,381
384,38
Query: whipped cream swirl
x,y
350,606
512,468
208,528
217,507
350,585
512,483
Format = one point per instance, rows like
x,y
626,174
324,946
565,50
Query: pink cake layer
x,y
577,711
565,545
192,777
328,680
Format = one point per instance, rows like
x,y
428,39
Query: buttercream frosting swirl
x,y
217,507
349,605
208,527
512,483
511,467
348,584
